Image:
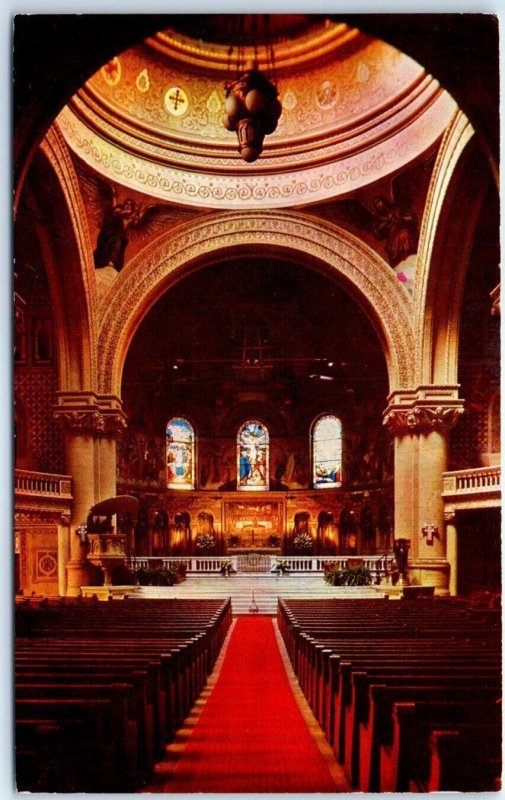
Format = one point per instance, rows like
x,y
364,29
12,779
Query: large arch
x,y
444,249
67,254
306,239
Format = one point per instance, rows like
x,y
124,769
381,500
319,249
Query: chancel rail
x,y
380,567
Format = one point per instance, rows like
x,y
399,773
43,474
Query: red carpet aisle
x,y
251,735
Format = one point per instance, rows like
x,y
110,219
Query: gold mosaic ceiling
x,y
354,110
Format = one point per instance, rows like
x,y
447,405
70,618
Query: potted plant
x,y
227,568
280,567
180,569
349,576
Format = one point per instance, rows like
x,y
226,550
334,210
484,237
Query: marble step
x,y
266,588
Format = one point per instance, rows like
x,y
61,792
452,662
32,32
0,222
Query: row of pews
x,y
100,688
408,693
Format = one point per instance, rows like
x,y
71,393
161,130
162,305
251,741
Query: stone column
x,y
452,549
84,422
421,420
113,424
63,552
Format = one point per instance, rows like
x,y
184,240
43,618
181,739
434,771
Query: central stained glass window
x,y
252,457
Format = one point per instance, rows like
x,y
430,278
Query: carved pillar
x,y
63,552
91,463
113,425
452,549
421,420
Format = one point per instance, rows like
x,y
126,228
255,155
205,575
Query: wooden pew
x,y
377,731
99,671
67,745
466,758
340,649
409,758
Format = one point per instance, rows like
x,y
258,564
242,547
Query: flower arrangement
x,y
227,568
303,542
281,566
180,569
166,576
205,542
351,576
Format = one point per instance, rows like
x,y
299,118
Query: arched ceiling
x,y
355,110
244,339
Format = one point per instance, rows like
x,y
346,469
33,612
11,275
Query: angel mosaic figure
x,y
390,217
119,221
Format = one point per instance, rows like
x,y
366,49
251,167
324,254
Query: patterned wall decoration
x,y
36,391
38,558
46,564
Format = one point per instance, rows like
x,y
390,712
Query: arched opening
x,y
254,351
253,456
180,454
326,452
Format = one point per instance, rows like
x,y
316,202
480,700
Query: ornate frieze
x,y
90,414
32,512
428,408
86,422
304,175
421,419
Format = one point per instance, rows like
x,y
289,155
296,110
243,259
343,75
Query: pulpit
x,y
107,550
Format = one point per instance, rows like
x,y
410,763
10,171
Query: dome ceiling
x,y
354,111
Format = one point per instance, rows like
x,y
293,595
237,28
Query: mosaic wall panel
x,y
35,390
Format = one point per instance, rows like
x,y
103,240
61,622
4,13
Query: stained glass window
x,y
252,456
180,454
327,452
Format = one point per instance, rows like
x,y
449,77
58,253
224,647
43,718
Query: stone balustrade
x,y
472,481
379,566
42,484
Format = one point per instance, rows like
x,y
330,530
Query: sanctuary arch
x,y
419,416
368,279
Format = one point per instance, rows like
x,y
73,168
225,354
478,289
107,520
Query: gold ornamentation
x,y
142,81
176,101
289,100
111,72
327,95
339,164
214,103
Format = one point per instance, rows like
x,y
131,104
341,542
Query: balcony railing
x,y
481,480
42,484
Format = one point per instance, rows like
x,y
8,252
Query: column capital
x,y
421,410
449,516
91,414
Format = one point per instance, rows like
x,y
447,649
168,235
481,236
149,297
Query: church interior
x,y
256,401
